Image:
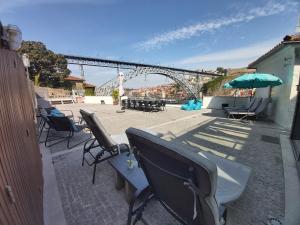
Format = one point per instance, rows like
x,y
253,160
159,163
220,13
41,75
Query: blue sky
x,y
188,34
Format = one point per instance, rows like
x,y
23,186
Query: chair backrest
x,y
46,120
49,109
183,181
255,104
61,123
251,102
98,130
263,106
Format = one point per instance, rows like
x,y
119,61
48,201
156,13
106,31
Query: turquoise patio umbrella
x,y
255,80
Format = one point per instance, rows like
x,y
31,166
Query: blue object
x,y
192,105
57,113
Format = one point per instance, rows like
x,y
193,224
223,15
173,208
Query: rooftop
x,y
73,78
205,130
287,40
89,85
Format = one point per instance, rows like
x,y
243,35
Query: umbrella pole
x,y
234,98
252,91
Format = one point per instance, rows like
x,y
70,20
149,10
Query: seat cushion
x,y
232,178
56,112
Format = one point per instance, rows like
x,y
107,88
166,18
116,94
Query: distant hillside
x,y
215,86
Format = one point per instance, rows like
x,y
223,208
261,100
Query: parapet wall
x,y
215,102
98,100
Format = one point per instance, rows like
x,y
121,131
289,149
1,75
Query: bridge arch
x,y
178,77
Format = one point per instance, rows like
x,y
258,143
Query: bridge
x,y
137,69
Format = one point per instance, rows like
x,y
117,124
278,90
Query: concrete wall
x,y
46,92
97,99
215,102
285,65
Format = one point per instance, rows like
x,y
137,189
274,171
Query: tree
x,y
221,70
46,67
115,96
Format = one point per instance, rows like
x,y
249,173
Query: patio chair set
x,y
146,105
194,187
254,109
59,126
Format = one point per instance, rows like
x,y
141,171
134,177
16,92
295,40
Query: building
x,y
284,62
89,89
78,83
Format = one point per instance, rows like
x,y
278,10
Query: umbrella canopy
x,y
255,80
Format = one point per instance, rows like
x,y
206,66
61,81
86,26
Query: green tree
x,y
221,70
46,67
115,95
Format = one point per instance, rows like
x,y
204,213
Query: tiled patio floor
x,y
206,130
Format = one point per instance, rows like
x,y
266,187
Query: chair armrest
x,y
90,144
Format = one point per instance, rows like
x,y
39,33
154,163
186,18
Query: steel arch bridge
x,y
136,69
108,87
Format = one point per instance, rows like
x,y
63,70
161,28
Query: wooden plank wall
x,y
21,181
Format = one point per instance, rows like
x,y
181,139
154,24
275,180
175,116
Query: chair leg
x,y
71,133
41,131
140,209
47,137
94,171
83,154
130,212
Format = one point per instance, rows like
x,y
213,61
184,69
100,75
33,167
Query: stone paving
x,y
206,130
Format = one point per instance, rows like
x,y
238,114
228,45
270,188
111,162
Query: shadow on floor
x,y
84,203
246,143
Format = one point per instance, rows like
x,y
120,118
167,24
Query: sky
x,y
192,34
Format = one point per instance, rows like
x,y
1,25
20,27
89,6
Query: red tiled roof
x,y
89,85
73,78
289,39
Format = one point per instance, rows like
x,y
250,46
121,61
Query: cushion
x,y
56,112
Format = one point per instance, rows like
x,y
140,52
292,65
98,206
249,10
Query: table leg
x,y
119,181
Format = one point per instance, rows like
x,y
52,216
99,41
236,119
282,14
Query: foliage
x,y
213,85
221,70
115,95
89,92
46,67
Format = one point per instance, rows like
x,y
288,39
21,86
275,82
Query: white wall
x,y
283,65
215,102
97,99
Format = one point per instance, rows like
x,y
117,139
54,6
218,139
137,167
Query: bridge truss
x,y
136,69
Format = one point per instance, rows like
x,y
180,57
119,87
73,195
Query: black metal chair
x,y
43,120
187,184
62,124
155,106
163,105
123,103
102,140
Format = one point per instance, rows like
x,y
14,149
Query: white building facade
x,y
282,61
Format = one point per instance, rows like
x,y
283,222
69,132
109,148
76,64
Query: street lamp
x,y
14,37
